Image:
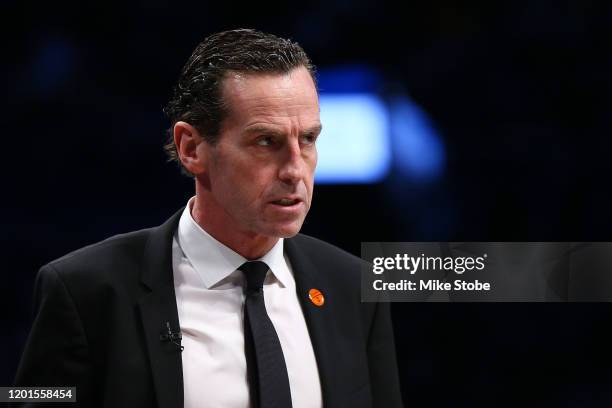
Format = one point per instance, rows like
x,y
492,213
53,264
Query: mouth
x,y
292,202
287,202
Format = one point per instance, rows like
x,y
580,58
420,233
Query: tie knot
x,y
255,274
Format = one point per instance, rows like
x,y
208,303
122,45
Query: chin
x,y
287,231
289,234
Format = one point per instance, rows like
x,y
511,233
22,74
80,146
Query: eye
x,y
265,141
309,139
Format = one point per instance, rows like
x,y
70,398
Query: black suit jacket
x,y
100,312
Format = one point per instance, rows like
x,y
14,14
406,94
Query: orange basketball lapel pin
x,y
316,297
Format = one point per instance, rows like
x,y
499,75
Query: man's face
x,y
259,177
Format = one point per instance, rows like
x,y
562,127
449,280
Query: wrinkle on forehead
x,y
248,85
269,96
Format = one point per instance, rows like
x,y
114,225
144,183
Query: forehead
x,y
271,97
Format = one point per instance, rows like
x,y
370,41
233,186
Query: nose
x,y
293,167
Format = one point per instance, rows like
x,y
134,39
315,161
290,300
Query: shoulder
x,y
115,260
317,249
338,265
119,258
122,247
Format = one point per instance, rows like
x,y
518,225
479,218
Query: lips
x,y
287,201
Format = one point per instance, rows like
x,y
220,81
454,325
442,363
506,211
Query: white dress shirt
x,y
210,300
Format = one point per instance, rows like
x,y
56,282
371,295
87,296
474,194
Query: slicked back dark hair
x,y
197,97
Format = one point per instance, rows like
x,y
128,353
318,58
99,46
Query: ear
x,y
187,140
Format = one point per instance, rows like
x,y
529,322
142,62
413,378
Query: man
x,y
177,315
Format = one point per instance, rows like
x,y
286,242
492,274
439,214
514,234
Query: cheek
x,y
227,187
311,161
255,187
312,165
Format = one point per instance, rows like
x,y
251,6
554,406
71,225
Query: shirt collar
x,y
213,261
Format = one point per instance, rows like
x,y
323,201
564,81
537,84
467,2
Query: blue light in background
x,y
348,79
354,145
362,135
418,150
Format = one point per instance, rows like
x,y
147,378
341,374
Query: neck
x,y
224,229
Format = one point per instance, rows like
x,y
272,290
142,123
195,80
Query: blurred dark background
x,y
519,93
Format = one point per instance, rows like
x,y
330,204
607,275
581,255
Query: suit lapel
x,y
319,319
157,309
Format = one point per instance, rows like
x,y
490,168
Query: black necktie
x,y
268,379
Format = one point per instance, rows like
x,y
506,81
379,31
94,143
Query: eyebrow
x,y
314,130
263,129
